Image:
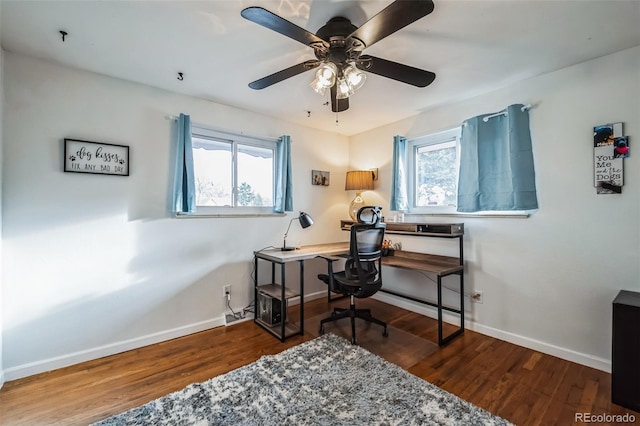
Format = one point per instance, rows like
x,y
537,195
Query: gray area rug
x,y
326,381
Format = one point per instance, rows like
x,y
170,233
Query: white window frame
x,y
235,139
442,137
435,139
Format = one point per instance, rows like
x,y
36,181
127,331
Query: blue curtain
x,y
184,190
399,201
496,163
283,200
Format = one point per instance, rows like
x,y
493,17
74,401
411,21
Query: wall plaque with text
x,y
94,157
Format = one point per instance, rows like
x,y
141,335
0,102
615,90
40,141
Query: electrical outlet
x,y
477,296
226,292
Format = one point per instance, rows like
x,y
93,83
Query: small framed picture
x,y
319,177
96,158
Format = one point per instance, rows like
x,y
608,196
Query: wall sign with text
x,y
93,157
610,148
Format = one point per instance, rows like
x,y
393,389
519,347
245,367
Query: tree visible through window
x,y
433,170
232,172
436,177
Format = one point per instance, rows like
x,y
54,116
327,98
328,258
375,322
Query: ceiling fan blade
x,y
338,105
396,71
394,17
280,25
283,75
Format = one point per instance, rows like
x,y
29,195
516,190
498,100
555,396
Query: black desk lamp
x,y
305,222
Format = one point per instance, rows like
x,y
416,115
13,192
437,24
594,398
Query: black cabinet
x,y
625,360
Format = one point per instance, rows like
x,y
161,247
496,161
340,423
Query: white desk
x,y
303,253
278,290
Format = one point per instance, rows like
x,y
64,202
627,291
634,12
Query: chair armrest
x,y
328,278
329,258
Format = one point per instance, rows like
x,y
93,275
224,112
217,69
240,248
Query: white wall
x,y
548,280
1,184
95,264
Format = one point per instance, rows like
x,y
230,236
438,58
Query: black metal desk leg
x,y
462,301
301,297
283,314
440,342
256,306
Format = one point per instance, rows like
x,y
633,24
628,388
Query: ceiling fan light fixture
x,y
354,77
338,45
327,73
318,86
344,90
325,77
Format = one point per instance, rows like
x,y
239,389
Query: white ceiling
x,y
473,47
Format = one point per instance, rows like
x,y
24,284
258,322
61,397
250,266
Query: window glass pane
x,y
212,162
255,176
435,174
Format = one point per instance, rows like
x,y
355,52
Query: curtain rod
x,y
226,132
503,112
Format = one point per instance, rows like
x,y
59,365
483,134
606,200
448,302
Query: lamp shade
x,y
343,90
347,78
305,220
359,180
355,78
325,77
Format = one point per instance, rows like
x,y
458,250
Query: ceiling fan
x,y
338,47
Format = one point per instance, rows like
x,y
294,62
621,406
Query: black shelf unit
x,y
279,293
625,359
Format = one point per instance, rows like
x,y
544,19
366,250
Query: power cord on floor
x,y
235,314
240,315
248,309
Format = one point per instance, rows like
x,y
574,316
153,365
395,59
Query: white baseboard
x,y
527,342
547,348
248,317
37,367
308,297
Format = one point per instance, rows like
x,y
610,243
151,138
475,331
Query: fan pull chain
x,y
337,122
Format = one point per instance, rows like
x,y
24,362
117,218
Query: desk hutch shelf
x,y
440,266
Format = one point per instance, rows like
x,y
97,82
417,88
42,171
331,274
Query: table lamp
x,y
358,180
305,222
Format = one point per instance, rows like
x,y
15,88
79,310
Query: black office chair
x,y
362,276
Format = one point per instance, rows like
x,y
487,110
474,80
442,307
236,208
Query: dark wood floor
x,y
518,384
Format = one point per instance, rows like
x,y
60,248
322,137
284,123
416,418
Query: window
x,y
432,165
232,172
